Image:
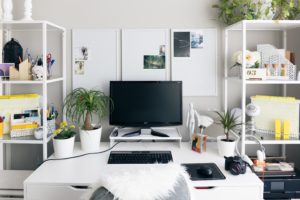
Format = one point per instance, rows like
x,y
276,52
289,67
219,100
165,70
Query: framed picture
x,y
182,44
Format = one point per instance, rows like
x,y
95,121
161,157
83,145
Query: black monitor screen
x,y
146,103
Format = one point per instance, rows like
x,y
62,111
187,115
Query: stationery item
x,y
277,129
286,129
21,103
1,129
275,58
23,73
1,126
199,142
273,107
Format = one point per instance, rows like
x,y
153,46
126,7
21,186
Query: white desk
x,y
60,179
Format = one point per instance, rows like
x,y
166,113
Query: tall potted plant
x,y
226,144
63,141
82,106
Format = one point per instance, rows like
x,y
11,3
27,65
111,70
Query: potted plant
x,y
82,106
63,141
226,144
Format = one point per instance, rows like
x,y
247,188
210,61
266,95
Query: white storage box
x,y
273,108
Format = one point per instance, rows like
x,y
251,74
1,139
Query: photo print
x,y
79,67
182,44
197,40
82,53
162,50
85,53
154,62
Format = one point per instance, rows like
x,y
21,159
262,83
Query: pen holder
x,y
199,142
51,126
1,129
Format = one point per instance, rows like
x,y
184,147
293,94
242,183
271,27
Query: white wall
x,y
133,14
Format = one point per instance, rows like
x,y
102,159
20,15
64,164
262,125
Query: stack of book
x,y
280,169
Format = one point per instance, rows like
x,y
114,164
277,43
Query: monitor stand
x,y
147,131
125,134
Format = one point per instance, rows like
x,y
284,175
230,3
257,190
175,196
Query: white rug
x,y
152,182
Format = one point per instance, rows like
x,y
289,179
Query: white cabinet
x,y
57,192
232,193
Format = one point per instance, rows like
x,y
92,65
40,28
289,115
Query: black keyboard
x,y
140,157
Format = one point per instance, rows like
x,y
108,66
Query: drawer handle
x,y
205,188
80,187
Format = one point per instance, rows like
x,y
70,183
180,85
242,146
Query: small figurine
x,y
37,72
191,122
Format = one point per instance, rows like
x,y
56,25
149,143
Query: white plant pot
x,y
226,148
63,148
90,140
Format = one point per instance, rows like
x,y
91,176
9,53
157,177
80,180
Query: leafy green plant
x,y
228,121
232,11
81,104
286,9
64,131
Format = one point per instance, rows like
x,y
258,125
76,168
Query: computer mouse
x,y
205,171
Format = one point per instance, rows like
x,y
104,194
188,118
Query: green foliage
x,y
228,121
232,11
286,9
81,104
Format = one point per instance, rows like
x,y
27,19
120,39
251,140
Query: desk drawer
x,y
51,192
232,193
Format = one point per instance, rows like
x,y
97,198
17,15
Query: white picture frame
x,y
137,43
198,72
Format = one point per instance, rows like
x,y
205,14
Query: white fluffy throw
x,y
151,182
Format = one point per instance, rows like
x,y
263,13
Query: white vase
x,y
90,139
63,148
226,148
7,7
27,10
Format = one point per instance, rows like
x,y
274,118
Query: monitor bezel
x,y
145,124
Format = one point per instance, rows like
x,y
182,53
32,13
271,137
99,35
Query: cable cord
x,y
81,155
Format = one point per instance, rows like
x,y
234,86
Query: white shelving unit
x,y
43,28
256,25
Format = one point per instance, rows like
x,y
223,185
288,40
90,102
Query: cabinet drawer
x,y
48,192
232,193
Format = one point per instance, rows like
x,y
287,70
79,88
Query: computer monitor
x,y
145,103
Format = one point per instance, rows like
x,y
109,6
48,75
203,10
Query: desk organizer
x,y
174,135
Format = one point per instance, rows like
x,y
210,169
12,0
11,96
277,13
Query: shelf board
x,y
22,140
274,142
52,80
265,25
279,82
22,25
